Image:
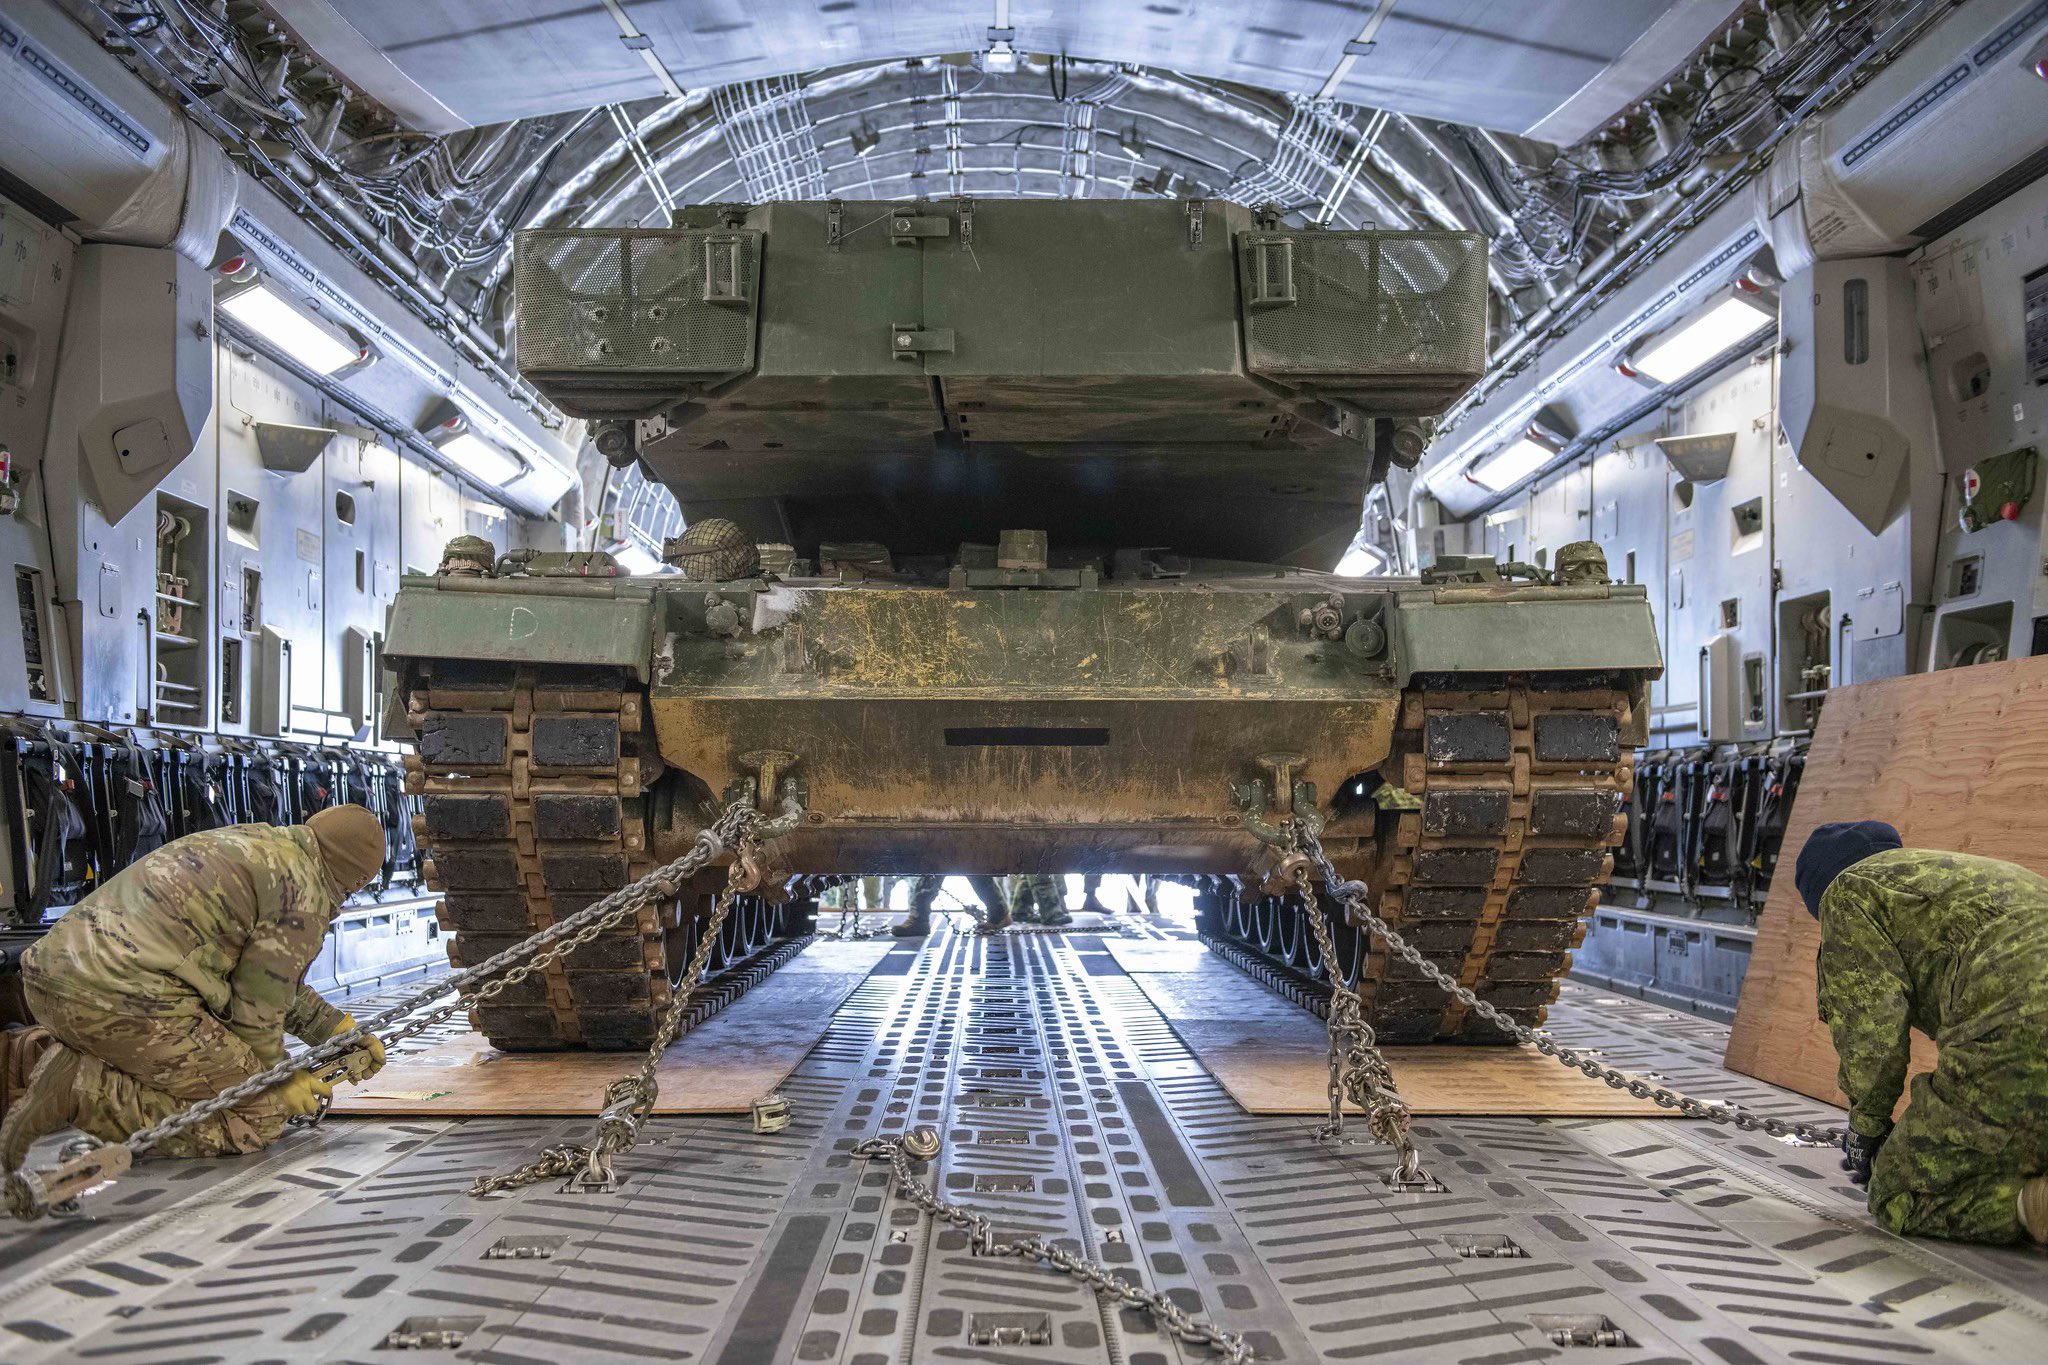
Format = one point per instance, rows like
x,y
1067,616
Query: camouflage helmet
x,y
468,557
712,551
1582,561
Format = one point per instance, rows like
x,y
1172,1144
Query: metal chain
x,y
1354,897
1358,1071
739,823
629,1100
981,1241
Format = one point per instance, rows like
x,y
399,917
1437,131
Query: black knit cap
x,y
1832,850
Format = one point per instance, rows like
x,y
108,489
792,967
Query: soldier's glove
x,y
304,1093
1858,1152
366,1058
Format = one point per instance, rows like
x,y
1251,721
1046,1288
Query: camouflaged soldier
x,y
1039,898
181,976
995,905
924,891
1957,947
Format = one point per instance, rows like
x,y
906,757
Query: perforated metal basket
x,y
614,321
1397,315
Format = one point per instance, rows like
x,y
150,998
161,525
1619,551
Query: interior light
x,y
635,560
1362,561
1684,349
485,461
1510,464
1000,59
314,343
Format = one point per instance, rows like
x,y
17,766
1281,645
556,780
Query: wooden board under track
x,y
720,1067
1957,760
1273,1056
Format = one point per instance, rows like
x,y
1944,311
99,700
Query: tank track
x,y
1519,788
534,778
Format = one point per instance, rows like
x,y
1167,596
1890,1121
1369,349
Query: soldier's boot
x,y
50,1105
1091,903
996,917
2034,1208
919,922
1053,916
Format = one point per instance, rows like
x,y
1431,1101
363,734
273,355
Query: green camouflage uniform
x,y
995,901
1037,895
1956,946
182,975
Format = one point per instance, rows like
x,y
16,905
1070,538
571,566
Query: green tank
x,y
1048,494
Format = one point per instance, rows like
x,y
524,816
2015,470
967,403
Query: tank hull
x,y
967,729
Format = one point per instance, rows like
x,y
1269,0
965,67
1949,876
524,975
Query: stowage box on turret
x,y
1050,492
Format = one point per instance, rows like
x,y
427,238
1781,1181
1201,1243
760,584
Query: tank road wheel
x,y
1237,919
1290,933
1266,926
1352,949
533,778
1493,877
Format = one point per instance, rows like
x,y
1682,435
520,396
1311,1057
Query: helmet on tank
x,y
1582,561
712,551
468,557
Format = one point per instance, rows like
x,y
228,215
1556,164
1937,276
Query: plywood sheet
x,y
722,1067
1273,1057
1957,760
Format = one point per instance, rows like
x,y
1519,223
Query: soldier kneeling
x,y
1956,946
181,976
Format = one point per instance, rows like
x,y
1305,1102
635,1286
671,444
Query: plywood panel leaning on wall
x,y
1957,760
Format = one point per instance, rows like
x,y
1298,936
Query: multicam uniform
x,y
1037,897
182,975
1956,946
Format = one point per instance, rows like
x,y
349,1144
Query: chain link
x,y
738,825
1355,898
629,1100
1230,1347
1358,1070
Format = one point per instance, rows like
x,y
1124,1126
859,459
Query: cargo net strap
x,y
88,1164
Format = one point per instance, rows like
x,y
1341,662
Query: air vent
x,y
1026,736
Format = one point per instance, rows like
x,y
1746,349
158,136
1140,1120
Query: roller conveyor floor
x,y
1068,1109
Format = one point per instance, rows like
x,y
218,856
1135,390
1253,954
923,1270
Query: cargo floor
x,y
1069,1109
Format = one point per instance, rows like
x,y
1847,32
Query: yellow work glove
x,y
303,1092
366,1058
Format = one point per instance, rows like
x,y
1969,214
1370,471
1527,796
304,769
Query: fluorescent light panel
x,y
1511,464
1362,561
635,560
477,457
278,322
1692,345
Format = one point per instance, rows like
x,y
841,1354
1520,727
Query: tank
x,y
1011,528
